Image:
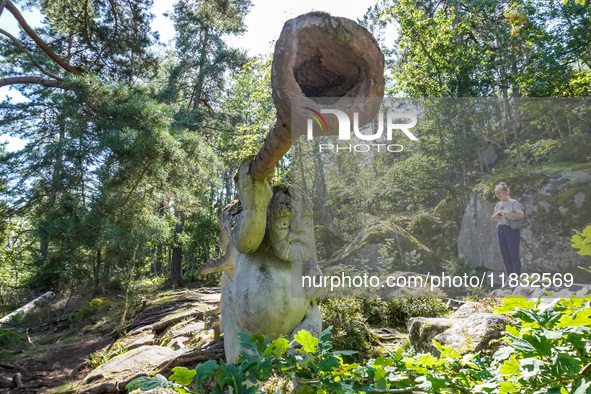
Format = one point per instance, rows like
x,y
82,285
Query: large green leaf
x,y
182,375
145,383
307,341
205,370
278,347
565,365
510,367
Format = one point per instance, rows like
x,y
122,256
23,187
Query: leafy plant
x,y
582,241
101,357
547,351
458,266
8,338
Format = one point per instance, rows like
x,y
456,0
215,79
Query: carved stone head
x,y
290,224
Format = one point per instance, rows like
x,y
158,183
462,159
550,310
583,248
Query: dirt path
x,y
45,372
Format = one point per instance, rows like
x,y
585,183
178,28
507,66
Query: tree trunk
x,y
55,185
176,263
229,185
106,271
198,89
158,259
97,269
319,186
176,266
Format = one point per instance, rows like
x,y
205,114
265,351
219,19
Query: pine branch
x,y
31,33
49,83
30,55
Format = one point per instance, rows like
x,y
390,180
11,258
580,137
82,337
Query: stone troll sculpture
x,y
268,235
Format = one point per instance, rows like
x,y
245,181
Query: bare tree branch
x,y
49,83
29,54
44,47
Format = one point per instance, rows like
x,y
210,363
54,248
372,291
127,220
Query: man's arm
x,y
246,224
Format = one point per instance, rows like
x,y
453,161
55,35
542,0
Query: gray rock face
x,y
477,240
556,201
470,308
475,333
422,330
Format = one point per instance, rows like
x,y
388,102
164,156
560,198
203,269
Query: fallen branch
x,y
18,380
28,307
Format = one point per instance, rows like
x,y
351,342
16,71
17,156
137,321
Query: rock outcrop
x,y
177,332
378,242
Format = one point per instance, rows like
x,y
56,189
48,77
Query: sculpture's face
x,y
292,232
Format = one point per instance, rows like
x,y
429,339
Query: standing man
x,y
508,216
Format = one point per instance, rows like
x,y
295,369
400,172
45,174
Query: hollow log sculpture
x,y
319,56
271,232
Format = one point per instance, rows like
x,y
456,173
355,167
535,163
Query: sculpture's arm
x,y
246,225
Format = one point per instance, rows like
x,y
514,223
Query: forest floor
x,y
43,371
58,343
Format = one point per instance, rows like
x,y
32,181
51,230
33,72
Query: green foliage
x,y
413,180
413,303
101,357
91,311
458,266
582,241
351,318
8,338
535,153
251,102
547,351
547,348
391,259
573,148
349,321
17,256
488,48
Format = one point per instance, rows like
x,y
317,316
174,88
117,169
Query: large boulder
x,y
476,333
556,200
422,331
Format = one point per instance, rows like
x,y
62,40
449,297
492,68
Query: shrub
x,y
8,338
458,266
349,325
